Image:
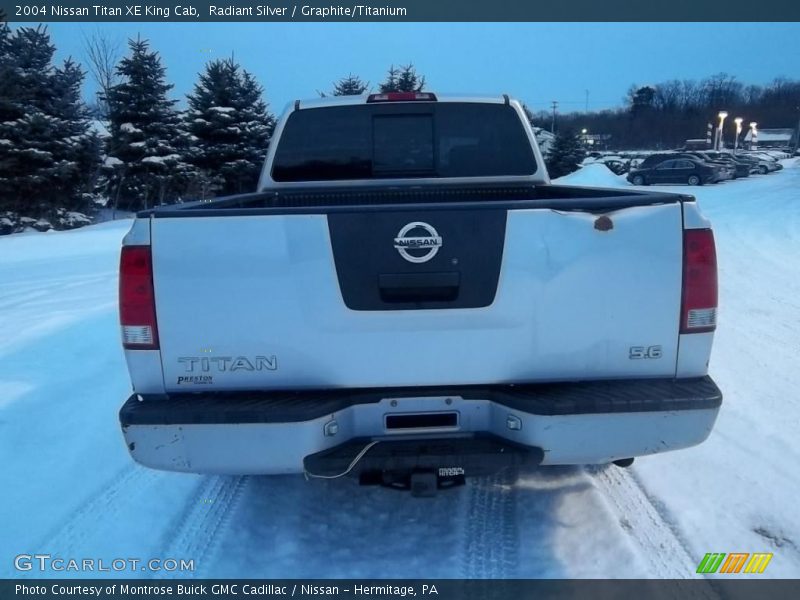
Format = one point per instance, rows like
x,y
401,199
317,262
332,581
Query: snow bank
x,y
11,222
593,175
112,161
160,160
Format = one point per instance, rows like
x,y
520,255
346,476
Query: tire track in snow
x,y
31,294
491,542
205,518
69,537
664,553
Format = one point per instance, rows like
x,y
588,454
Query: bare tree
x,y
103,53
668,96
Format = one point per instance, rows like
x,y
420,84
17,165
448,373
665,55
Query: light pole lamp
x,y
722,114
738,121
753,134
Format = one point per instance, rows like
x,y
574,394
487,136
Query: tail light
x,y
137,304
402,97
699,303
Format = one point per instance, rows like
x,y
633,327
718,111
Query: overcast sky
x,y
536,62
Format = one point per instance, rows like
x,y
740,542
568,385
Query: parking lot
x,y
690,167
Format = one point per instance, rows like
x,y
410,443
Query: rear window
x,y
403,140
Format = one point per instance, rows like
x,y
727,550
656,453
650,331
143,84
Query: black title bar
x,y
739,587
194,11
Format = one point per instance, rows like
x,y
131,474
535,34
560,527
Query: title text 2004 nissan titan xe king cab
x,y
407,299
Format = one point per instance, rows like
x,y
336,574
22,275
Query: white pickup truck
x,y
407,299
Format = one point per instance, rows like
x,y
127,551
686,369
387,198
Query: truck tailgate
x,y
280,301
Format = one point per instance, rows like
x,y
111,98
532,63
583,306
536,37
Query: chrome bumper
x,y
583,423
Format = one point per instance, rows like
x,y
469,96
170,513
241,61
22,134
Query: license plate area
x,y
421,421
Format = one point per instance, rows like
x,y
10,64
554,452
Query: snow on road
x,y
71,490
739,489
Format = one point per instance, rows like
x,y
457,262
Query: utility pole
x,y
587,101
553,123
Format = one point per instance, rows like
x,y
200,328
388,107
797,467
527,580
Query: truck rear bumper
x,y
273,432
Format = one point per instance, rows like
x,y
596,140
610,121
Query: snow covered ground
x,y
70,489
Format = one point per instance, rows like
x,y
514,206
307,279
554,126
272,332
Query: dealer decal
x,y
196,379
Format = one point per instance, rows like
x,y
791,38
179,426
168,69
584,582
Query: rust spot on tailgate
x,y
603,223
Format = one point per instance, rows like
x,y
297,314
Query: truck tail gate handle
x,y
419,287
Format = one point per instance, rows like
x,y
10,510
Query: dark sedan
x,y
742,168
723,169
678,170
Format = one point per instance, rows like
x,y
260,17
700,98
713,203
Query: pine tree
x,y
641,99
75,145
146,142
409,80
350,86
390,83
5,40
404,79
47,153
230,128
8,113
566,154
8,92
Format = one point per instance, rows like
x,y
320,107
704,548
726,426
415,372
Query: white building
x,y
767,138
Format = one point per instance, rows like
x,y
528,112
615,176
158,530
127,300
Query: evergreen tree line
x,y
667,114
55,165
48,155
156,154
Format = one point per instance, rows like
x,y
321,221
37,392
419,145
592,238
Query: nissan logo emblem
x,y
418,242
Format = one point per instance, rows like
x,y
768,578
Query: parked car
x,y
776,153
727,169
653,159
616,164
766,163
723,170
763,163
740,168
758,164
676,170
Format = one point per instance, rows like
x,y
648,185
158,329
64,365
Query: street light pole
x,y
753,135
722,114
738,121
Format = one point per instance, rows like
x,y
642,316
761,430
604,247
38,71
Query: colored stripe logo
x,y
735,562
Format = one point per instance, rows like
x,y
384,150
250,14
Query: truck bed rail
x,y
345,199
